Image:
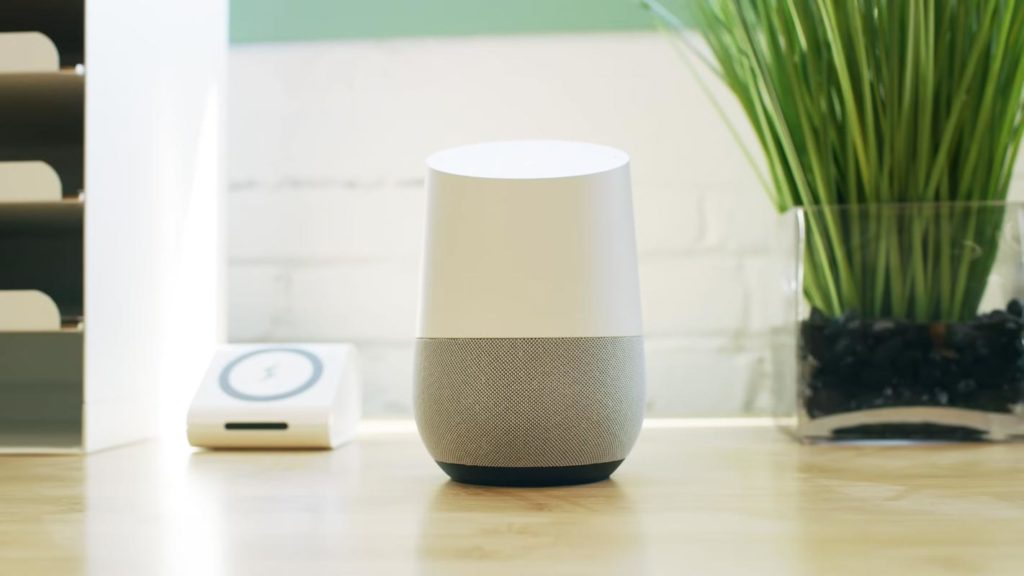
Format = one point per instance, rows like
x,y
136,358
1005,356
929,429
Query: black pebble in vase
x,y
850,364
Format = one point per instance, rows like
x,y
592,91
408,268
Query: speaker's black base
x,y
539,476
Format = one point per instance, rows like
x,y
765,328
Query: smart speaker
x,y
529,357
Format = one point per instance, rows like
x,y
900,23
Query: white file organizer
x,y
109,189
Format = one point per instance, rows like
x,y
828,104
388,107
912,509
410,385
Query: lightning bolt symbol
x,y
269,372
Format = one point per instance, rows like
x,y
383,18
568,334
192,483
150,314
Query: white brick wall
x,y
326,202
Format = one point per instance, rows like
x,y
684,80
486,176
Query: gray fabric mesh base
x,y
529,402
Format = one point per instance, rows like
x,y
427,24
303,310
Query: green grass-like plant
x,y
896,124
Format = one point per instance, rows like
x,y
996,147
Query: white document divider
x,y
27,52
29,181
28,311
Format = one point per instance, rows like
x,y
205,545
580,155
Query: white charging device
x,y
277,396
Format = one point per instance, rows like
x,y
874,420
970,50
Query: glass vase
x,y
909,323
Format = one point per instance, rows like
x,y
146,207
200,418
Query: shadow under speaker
x,y
529,358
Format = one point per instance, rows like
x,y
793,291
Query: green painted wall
x,y
298,20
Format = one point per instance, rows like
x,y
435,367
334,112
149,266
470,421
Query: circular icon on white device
x,y
270,374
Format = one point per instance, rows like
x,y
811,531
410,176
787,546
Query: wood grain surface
x,y
690,500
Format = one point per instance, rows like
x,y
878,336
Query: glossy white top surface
x,y
527,160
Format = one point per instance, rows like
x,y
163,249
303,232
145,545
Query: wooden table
x,y
692,499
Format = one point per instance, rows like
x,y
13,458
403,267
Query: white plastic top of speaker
x,y
528,160
529,239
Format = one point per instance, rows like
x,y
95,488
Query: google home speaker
x,y
277,396
529,357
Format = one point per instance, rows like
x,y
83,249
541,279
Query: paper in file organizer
x,y
28,311
22,52
30,181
